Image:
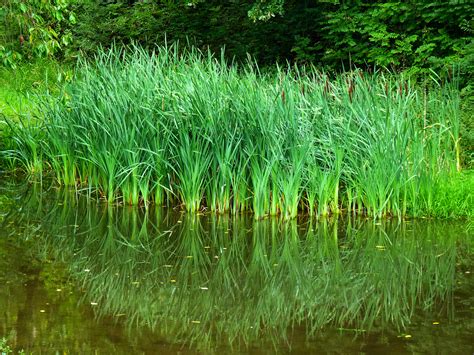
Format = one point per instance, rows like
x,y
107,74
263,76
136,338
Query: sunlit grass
x,y
21,86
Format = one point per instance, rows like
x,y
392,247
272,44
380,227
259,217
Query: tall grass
x,y
190,129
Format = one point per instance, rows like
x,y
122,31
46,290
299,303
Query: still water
x,y
80,277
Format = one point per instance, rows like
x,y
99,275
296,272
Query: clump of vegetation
x,y
189,129
4,347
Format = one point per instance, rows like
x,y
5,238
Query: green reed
x,y
190,129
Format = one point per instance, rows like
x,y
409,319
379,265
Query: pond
x,y
78,276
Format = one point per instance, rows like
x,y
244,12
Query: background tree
x,y
34,28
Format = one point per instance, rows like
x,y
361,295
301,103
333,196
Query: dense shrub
x,y
401,35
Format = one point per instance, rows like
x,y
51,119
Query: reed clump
x,y
190,129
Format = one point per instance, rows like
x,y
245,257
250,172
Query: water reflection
x,y
213,280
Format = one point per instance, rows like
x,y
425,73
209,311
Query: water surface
x,y
83,277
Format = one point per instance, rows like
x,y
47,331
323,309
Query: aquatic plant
x,y
186,128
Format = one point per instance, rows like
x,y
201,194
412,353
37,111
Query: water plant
x,y
187,128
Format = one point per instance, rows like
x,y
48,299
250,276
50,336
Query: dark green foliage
x,y
210,25
34,28
397,34
413,36
402,35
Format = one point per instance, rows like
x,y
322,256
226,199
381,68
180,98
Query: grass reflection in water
x,y
205,280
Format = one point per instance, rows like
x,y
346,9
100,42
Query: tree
x,y
34,28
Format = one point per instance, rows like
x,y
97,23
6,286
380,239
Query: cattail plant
x,y
190,129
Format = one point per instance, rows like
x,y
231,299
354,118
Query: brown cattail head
x,y
22,40
351,89
326,86
283,95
